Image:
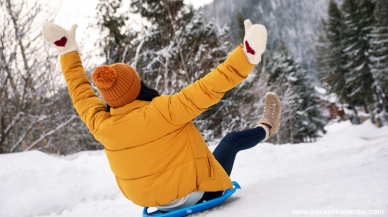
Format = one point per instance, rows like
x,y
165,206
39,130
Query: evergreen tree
x,y
118,36
329,56
356,28
179,50
379,56
301,119
322,55
178,47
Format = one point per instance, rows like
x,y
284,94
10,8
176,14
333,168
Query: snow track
x,y
346,169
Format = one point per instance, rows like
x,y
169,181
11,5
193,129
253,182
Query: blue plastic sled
x,y
195,208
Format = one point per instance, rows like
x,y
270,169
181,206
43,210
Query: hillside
x,y
346,169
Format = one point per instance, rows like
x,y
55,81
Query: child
x,y
155,151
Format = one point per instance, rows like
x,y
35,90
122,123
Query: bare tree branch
x,y
51,132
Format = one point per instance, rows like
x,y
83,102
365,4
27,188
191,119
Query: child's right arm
x,y
184,106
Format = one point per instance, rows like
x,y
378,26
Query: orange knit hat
x,y
119,84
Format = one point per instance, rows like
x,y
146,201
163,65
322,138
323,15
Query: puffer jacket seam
x,y
118,122
163,170
169,121
121,189
144,143
149,110
96,126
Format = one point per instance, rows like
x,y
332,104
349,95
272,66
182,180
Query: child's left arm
x,y
90,108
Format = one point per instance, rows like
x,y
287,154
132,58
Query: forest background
x,y
318,53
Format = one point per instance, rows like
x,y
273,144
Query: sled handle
x,y
236,185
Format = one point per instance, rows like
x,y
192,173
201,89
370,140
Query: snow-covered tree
x,y
301,119
178,47
36,111
117,34
379,54
329,56
357,22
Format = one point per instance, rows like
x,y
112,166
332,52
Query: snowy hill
x,y
346,169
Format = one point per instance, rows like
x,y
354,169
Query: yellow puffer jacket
x,y
155,151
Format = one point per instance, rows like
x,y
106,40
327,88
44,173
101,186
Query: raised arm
x,y
196,98
90,108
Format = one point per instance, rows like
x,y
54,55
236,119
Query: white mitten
x,y
62,39
254,42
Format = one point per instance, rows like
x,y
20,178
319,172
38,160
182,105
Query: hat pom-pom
x,y
104,76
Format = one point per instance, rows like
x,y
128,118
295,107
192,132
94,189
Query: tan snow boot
x,y
272,110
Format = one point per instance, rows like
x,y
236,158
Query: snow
x,y
346,169
331,98
320,90
290,78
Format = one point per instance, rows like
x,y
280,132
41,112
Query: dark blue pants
x,y
228,148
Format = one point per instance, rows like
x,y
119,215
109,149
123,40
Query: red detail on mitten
x,y
249,49
61,43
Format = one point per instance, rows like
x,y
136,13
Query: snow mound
x,y
346,169
34,183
